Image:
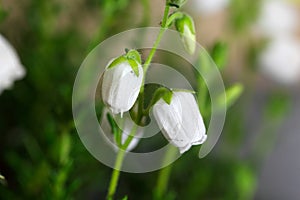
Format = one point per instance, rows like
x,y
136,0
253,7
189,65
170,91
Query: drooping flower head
x,y
121,82
11,68
180,121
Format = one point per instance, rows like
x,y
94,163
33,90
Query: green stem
x,y
158,39
164,174
115,175
150,57
202,96
121,153
118,164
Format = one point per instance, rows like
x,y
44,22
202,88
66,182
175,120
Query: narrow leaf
x,y
134,66
220,54
134,55
117,61
232,95
115,129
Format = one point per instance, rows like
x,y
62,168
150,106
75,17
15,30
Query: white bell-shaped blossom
x,y
121,86
277,18
281,60
180,121
207,7
11,68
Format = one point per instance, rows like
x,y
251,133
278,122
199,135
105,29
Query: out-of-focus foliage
x,y
41,156
243,13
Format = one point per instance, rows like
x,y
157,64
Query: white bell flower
x,y
277,18
11,68
281,60
121,85
180,121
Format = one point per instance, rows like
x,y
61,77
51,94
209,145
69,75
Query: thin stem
x,y
118,164
121,153
173,17
202,95
151,54
164,174
158,39
115,175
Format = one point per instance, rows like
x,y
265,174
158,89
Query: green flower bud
x,y
185,26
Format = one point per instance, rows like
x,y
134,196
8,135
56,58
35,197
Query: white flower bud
x,y
121,84
180,121
10,67
185,26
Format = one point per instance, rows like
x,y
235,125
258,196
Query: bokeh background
x,y
257,156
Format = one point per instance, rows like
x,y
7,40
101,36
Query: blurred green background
x,y
41,155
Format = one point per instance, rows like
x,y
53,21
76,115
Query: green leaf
x,y
3,14
125,198
134,66
117,61
65,147
161,93
220,54
134,55
277,106
183,90
232,94
115,129
164,93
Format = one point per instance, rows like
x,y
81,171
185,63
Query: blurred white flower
x,y
121,86
11,68
207,7
281,60
277,18
181,121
